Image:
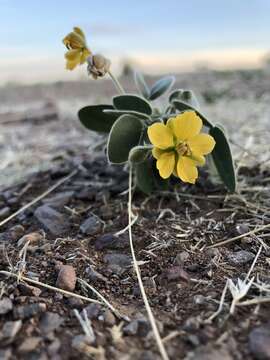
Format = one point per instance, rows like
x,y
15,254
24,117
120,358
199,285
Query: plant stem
x,y
116,83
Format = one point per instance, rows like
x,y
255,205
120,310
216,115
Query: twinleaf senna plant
x,y
159,143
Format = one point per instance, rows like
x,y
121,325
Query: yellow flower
x,y
78,51
179,147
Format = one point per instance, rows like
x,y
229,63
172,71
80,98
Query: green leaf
x,y
139,153
148,179
182,106
160,87
222,157
186,96
141,85
93,118
133,103
131,112
125,134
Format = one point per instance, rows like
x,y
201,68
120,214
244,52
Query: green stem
x,y
116,83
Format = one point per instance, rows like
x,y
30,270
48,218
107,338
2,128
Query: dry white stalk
x,y
86,325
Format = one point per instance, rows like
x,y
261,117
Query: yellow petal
x,y
84,55
74,41
186,125
160,136
72,55
165,164
71,64
199,159
187,170
202,144
79,31
156,152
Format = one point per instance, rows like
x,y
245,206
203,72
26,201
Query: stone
x,y
117,262
91,226
50,322
9,331
112,242
209,353
28,311
29,290
259,342
94,276
66,278
109,318
139,327
92,311
60,199
240,257
80,342
33,239
5,305
16,232
176,273
52,220
4,212
29,344
182,257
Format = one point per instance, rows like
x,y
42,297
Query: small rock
x,y
93,275
209,353
176,273
5,354
212,252
4,212
109,318
66,279
28,311
139,327
182,257
33,239
75,303
259,342
52,220
29,344
131,328
16,232
242,229
50,322
29,290
110,241
9,331
5,305
92,311
117,263
91,226
199,299
60,199
240,257
81,342
86,194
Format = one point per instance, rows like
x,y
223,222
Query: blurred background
x,y
219,49
157,36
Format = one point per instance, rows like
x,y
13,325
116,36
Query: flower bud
x,y
98,66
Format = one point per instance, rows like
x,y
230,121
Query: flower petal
x,y
156,152
74,41
79,31
84,55
187,170
186,125
160,136
165,164
202,144
199,159
72,55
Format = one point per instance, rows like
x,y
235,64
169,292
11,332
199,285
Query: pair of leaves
x,y
158,89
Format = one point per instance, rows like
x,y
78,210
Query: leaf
x,y
186,96
93,118
147,177
222,157
182,106
160,87
133,103
131,112
139,153
125,134
141,85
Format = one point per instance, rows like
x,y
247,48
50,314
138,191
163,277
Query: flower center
x,y
183,149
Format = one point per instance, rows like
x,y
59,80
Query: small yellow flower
x,y
179,147
78,51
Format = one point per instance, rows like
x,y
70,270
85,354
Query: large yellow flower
x,y
179,147
78,51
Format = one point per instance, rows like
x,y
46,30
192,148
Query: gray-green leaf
x,y
94,118
133,103
148,179
139,153
160,87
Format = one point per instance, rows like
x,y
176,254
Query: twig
x,y
254,262
47,192
137,270
116,83
50,287
215,314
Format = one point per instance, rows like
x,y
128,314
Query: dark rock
x,y
16,232
5,305
4,212
28,311
139,327
29,344
60,199
91,226
110,241
109,318
93,275
9,331
66,278
29,290
240,257
50,322
52,220
86,193
117,263
75,303
259,342
176,273
92,311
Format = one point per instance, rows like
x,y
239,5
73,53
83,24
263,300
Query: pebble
x,y
259,342
16,231
209,353
4,212
33,239
5,305
176,273
117,262
52,220
66,278
29,290
91,226
108,318
110,241
9,331
182,257
80,342
59,200
93,275
29,344
199,299
138,327
50,322
28,311
242,229
92,311
240,257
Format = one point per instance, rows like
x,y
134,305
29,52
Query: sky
x,y
154,35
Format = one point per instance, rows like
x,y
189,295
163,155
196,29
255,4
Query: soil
x,y
81,223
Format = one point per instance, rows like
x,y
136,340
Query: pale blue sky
x,y
151,28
